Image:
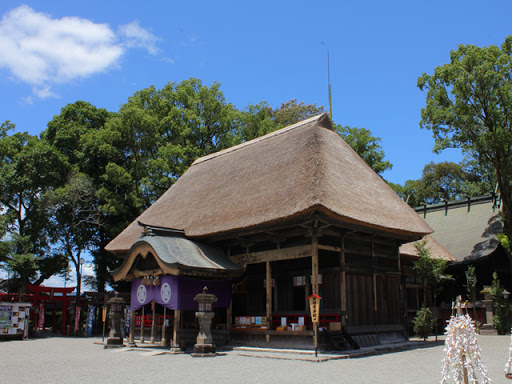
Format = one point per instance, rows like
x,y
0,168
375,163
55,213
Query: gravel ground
x,y
79,360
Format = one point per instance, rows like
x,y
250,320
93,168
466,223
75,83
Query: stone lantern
x,y
204,344
488,327
115,338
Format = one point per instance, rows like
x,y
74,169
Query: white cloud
x,y
138,37
43,92
168,60
43,51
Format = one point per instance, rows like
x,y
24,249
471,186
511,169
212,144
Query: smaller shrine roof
x,y
176,255
437,251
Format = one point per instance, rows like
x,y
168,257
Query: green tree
x,y
444,181
255,121
367,146
21,263
292,112
441,182
501,306
73,219
28,168
424,323
469,106
470,286
408,192
430,271
81,134
163,131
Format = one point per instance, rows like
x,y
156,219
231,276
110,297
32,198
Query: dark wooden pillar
x,y
343,283
229,316
314,266
131,337
141,340
314,283
269,296
374,266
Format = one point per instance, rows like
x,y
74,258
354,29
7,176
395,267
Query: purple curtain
x,y
177,292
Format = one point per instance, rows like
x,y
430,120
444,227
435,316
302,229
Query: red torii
x,y
37,289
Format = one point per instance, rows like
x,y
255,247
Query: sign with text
x,y
5,316
127,320
41,316
90,320
77,317
314,306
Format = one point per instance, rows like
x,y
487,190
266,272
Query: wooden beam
x,y
329,248
273,255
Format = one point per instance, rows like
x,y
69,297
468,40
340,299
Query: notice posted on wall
x,y
12,319
5,316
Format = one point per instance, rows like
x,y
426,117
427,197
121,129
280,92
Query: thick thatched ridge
x,y
286,174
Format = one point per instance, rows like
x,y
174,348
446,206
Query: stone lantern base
x,y
204,350
114,342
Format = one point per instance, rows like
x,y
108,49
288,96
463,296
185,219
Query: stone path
x,y
80,360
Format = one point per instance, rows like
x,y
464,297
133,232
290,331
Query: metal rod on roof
x,y
329,84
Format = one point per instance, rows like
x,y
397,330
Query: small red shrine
x,y
41,296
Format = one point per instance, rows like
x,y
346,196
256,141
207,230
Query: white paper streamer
x,y
462,351
508,366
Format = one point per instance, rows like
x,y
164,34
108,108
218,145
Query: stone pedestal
x,y
488,327
175,350
204,342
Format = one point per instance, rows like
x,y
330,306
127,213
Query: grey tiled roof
x,y
179,251
176,254
466,228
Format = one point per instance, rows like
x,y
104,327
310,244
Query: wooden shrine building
x,y
276,219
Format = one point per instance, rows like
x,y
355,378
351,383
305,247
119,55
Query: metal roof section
x,y
466,228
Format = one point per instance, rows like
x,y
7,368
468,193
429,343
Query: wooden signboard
x,y
314,306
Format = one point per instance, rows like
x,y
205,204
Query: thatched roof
x,y
437,251
286,174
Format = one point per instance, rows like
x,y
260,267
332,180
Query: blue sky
x,y
57,52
